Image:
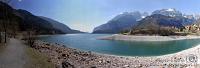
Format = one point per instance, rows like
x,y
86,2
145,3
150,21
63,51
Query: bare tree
x,y
5,32
0,38
1,32
31,38
4,24
7,20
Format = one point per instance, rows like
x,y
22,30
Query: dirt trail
x,y
14,55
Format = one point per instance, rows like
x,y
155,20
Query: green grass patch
x,y
37,59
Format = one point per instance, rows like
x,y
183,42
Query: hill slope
x,y
120,22
60,26
157,24
158,20
26,21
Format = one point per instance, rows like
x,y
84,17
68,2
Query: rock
x,y
76,52
114,64
66,64
59,57
64,55
48,44
63,46
100,61
108,61
48,60
83,59
141,65
93,67
126,65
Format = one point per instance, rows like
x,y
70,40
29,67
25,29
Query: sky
x,y
84,15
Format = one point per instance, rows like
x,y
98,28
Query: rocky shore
x,y
65,57
146,38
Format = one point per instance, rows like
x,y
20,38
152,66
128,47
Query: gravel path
x,y
14,55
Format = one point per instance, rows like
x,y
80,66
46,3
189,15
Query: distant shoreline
x,y
147,38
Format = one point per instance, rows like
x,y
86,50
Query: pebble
x,y
93,67
108,61
126,65
100,61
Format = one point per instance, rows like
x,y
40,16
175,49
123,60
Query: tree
x,y
0,37
4,23
5,30
0,32
7,19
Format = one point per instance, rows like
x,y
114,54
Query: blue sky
x,y
84,15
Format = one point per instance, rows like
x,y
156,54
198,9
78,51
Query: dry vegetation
x,y
37,59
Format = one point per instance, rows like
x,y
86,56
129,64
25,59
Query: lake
x,y
88,42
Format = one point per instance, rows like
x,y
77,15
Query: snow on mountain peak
x,y
170,9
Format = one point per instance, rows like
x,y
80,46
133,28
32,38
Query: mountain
x,y
196,16
145,14
187,19
119,23
197,22
32,22
26,21
9,21
157,24
158,20
168,12
60,26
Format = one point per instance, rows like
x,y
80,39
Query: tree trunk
x,y
29,38
0,37
5,34
5,38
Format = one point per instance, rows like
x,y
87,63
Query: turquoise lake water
x,y
88,42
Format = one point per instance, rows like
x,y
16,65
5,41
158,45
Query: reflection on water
x,y
89,42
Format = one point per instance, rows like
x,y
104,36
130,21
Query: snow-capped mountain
x,y
189,16
175,13
137,15
186,19
145,14
192,18
168,12
196,16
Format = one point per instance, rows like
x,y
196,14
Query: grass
x,y
38,60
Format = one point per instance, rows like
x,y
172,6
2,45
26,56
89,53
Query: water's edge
x,y
88,42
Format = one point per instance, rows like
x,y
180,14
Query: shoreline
x,y
65,56
146,38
